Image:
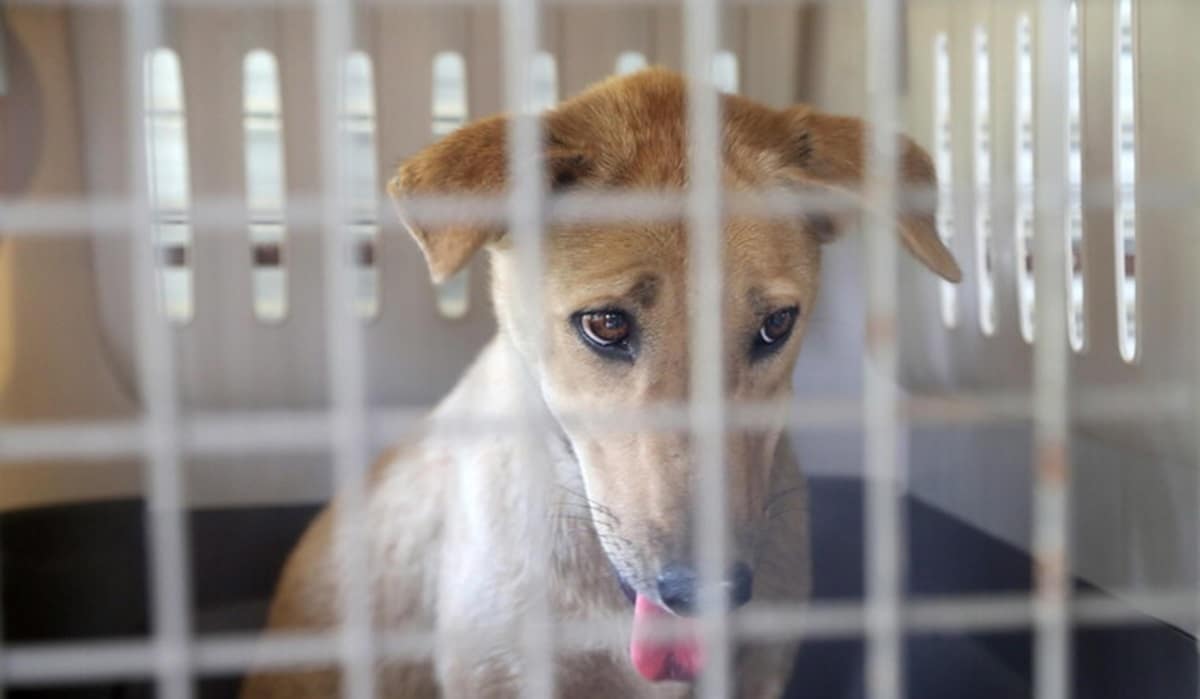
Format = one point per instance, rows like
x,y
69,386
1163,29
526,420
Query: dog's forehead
x,y
646,263
633,133
633,130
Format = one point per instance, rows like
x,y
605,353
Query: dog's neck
x,y
502,390
564,516
540,483
529,405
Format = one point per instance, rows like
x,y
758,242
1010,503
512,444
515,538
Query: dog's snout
x,y
679,587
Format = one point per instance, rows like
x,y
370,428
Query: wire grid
x,y
707,381
161,436
884,526
1051,523
520,41
164,497
345,361
104,217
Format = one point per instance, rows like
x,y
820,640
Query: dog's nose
x,y
678,587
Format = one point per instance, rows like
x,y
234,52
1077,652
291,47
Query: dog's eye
x,y
777,326
604,329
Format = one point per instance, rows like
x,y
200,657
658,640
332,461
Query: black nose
x,y
678,587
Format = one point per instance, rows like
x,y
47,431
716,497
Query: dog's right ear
x,y
471,162
828,153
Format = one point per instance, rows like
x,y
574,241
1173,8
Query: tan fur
x,y
449,518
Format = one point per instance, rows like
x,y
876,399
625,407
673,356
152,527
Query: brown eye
x,y
777,326
605,328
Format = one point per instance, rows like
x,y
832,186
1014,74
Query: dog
x,y
451,518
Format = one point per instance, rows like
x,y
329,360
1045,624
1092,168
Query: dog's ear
x,y
828,152
470,162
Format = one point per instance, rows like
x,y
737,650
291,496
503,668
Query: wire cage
x,y
211,320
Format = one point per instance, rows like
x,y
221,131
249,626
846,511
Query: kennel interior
x,y
175,376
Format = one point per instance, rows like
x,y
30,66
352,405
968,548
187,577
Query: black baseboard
x,y
77,572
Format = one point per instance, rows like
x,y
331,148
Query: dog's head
x,y
616,305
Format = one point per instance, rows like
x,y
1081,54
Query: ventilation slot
x,y
943,146
630,62
362,169
544,88
983,183
725,72
168,181
1023,219
1076,327
449,113
265,185
1125,157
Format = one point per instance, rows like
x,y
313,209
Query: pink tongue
x,y
659,658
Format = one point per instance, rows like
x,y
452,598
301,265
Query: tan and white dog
x,y
451,523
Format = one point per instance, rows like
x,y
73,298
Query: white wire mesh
x,y
521,39
349,432
344,352
105,217
705,344
220,654
1051,457
166,530
260,432
885,526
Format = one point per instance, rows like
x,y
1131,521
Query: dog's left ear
x,y
470,162
828,152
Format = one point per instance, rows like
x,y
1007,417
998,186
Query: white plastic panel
x,y
1148,162
1135,476
594,41
415,352
1099,158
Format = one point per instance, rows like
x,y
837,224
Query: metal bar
x,y
521,38
109,218
166,526
92,441
222,654
1195,407
300,432
1051,450
885,522
705,243
249,4
344,353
